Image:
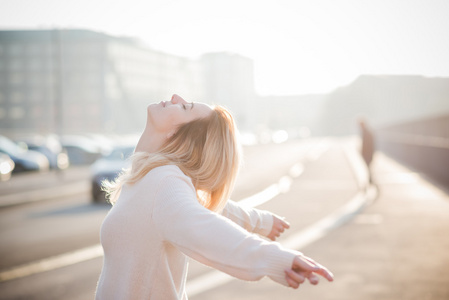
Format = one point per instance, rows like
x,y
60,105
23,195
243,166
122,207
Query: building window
x,y
16,78
16,64
35,95
36,81
16,97
16,49
37,112
34,49
16,113
35,63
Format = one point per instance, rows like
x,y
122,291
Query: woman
x,y
172,203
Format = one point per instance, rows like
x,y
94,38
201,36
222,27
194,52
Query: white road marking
x,y
369,219
262,197
52,263
296,170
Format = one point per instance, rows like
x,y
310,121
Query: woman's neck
x,y
149,142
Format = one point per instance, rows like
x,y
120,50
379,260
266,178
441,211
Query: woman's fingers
x,y
279,226
294,279
304,268
292,283
284,224
313,279
303,264
323,270
325,273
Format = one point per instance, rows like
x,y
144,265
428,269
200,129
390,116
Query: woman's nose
x,y
175,99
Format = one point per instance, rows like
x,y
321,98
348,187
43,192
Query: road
x,y
370,247
44,229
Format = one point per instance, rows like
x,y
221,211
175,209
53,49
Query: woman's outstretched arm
x,y
255,220
218,242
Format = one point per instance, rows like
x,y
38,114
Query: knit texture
x,y
158,222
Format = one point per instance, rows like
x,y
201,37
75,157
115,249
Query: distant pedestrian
x,y
367,147
173,203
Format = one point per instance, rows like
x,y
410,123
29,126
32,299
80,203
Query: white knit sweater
x,y
158,221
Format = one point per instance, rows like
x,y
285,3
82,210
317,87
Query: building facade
x,y
229,81
81,81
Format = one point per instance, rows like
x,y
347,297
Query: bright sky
x,y
298,46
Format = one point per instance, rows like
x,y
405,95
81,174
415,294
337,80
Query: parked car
x,y
24,159
108,168
81,149
50,147
6,167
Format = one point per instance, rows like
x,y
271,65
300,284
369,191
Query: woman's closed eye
x,y
184,106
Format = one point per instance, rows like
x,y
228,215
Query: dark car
x,y
82,150
50,147
108,168
24,159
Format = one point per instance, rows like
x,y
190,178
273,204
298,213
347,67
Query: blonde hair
x,y
205,149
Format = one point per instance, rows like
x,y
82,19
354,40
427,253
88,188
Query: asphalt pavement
x,y
29,187
392,243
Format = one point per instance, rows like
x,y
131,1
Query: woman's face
x,y
166,116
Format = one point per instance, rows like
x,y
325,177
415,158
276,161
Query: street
x,y
393,248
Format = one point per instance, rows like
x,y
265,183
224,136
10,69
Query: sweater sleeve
x,y
252,219
213,239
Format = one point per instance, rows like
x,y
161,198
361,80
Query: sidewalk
x,y
397,248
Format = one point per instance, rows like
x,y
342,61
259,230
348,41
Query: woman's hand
x,y
279,225
304,268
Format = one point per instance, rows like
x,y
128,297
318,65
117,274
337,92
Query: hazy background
x,y
298,47
76,77
304,67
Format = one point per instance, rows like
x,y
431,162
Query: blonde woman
x,y
172,204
